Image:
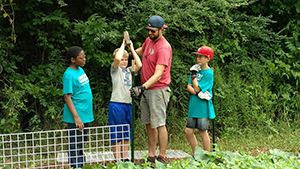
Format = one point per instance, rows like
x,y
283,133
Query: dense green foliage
x,y
256,61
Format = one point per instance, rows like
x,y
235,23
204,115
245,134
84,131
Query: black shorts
x,y
198,123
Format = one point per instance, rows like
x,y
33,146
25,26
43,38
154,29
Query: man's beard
x,y
154,37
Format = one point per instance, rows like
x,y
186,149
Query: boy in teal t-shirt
x,y
78,108
76,84
201,108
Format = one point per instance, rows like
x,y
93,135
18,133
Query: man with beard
x,y
154,91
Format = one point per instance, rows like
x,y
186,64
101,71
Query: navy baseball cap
x,y
157,22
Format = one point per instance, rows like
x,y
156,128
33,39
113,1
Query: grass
x,y
284,136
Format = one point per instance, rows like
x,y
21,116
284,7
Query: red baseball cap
x,y
206,51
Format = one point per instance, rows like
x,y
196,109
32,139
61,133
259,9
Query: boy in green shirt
x,y
200,104
78,108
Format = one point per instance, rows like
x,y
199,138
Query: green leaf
x,y
5,15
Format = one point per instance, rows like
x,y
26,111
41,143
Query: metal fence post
x,y
133,111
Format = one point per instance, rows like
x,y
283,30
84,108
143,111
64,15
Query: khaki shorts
x,y
154,105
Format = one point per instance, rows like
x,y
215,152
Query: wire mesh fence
x,y
54,149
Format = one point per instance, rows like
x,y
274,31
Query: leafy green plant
x,y
223,159
7,8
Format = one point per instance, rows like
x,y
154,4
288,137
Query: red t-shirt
x,y
156,53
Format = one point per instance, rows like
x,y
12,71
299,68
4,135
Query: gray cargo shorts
x,y
154,105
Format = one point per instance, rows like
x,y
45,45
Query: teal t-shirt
x,y
77,84
201,108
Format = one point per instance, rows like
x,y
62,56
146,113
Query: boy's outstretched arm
x,y
119,55
71,107
138,63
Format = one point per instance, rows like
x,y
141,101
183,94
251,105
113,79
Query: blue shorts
x,y
119,113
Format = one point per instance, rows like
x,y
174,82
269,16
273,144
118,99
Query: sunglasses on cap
x,y
152,31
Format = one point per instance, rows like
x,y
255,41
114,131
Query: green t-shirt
x,y
201,108
77,84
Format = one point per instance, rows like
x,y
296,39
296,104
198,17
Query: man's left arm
x,y
137,91
159,70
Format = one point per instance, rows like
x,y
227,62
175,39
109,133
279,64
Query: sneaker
x,y
162,159
126,37
151,159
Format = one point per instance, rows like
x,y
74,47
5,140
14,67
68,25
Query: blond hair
x,y
125,53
